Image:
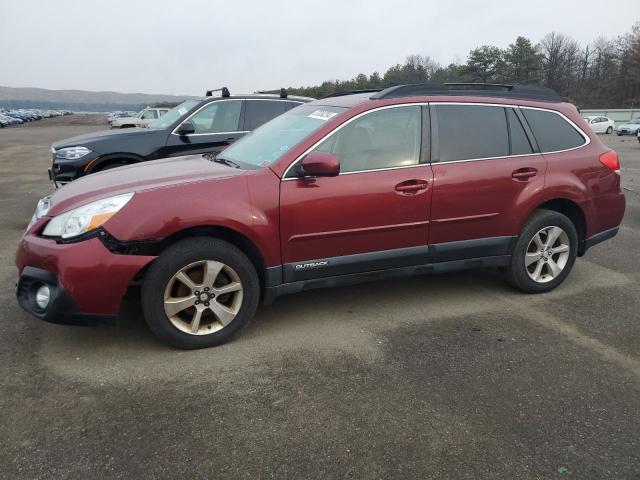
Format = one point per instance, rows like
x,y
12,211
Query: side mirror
x,y
320,164
186,128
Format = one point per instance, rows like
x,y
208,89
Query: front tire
x,y
544,253
609,130
199,293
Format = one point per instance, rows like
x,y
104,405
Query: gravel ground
x,y
450,376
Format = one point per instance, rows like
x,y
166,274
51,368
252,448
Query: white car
x,y
632,127
142,119
601,124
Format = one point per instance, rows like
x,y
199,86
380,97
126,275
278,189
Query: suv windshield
x,y
173,115
268,143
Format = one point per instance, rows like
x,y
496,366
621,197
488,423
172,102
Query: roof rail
x,y
283,92
531,92
224,90
352,92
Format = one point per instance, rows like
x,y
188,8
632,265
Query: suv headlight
x,y
86,218
72,153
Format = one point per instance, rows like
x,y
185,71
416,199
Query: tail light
x,y
611,161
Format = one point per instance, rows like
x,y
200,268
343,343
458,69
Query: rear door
x,y
484,164
216,124
259,111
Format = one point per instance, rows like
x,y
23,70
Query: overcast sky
x,y
187,46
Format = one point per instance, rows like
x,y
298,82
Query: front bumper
x,y
62,172
85,278
60,308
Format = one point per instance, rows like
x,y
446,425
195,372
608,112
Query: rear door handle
x,y
524,174
411,186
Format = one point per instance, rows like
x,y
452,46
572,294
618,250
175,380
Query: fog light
x,y
43,296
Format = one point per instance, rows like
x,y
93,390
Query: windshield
x,y
635,120
173,115
268,143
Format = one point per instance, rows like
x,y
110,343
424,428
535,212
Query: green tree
x,y
522,62
486,64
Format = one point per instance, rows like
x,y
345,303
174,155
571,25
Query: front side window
x,y
150,115
385,138
173,115
258,112
467,132
217,117
552,132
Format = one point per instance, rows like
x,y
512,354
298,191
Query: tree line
x,y
603,74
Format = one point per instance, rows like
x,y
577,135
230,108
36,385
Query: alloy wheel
x,y
203,297
547,254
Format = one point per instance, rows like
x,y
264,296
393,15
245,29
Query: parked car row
x,y
354,187
18,117
606,125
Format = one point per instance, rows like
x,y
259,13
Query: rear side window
x,y
519,142
258,112
467,132
553,133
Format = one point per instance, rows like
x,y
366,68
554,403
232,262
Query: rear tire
x,y
544,253
180,279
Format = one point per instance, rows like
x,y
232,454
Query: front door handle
x,y
524,174
411,186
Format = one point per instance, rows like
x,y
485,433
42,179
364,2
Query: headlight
x,y
72,153
44,204
85,218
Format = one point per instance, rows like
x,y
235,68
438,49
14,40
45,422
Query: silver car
x,y
632,127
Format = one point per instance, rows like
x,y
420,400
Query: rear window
x,y
553,133
467,132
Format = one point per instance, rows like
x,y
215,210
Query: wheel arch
x,y
103,161
571,210
239,240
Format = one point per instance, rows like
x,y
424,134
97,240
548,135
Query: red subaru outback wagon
x,y
370,185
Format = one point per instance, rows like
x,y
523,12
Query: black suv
x,y
203,125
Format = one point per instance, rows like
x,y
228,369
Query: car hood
x,y
155,174
629,125
90,138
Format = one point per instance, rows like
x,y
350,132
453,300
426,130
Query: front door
x,y
216,126
483,165
375,214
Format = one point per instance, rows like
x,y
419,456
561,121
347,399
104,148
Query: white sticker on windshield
x,y
322,115
182,111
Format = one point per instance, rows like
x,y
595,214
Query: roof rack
x,y
530,92
224,90
352,92
283,92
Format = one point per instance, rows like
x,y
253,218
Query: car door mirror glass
x,y
320,164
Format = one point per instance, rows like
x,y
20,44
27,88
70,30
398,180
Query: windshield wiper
x,y
228,163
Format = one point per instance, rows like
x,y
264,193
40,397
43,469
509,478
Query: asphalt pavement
x,y
455,376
